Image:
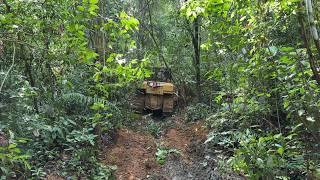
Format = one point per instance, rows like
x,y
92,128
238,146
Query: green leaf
x,y
277,136
93,1
11,146
280,150
287,49
286,104
80,8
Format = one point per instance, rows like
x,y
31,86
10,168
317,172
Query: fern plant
x,y
14,160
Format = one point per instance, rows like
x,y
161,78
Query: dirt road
x,y
134,151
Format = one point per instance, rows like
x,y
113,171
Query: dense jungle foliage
x,y
248,68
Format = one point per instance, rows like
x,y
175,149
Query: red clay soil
x,y
181,137
134,152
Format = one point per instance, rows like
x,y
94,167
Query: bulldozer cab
x,y
161,74
157,92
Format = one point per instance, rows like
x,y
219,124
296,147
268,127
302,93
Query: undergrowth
x,y
260,153
65,144
163,152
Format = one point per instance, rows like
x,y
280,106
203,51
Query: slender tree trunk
x,y
10,68
52,77
140,35
154,38
99,35
46,33
196,47
28,74
313,27
28,71
312,59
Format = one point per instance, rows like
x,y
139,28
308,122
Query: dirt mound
x,y
133,154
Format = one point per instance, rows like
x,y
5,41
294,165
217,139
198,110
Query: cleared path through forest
x,y
134,152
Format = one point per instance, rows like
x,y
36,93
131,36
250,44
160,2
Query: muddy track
x,y
134,152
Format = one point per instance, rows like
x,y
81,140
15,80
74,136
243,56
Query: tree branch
x,y
13,61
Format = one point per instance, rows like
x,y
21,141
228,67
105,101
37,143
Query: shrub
x,y
197,112
272,156
223,120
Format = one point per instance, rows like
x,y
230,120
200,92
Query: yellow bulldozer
x,y
157,93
